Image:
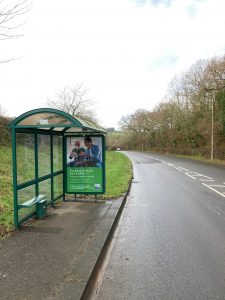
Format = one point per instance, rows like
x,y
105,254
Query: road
x,y
171,238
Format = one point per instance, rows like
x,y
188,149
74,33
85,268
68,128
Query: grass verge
x,y
6,191
193,157
203,159
118,174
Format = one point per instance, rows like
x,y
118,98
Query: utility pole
x,y
212,126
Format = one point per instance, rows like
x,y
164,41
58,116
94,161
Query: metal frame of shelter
x,y
38,156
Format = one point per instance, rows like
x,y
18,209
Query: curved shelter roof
x,y
54,120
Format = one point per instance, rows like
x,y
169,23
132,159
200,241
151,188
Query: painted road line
x,y
179,169
183,169
194,175
218,185
197,174
206,179
155,159
211,188
201,175
189,174
152,158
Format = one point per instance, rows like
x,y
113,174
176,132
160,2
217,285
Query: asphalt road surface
x,y
171,237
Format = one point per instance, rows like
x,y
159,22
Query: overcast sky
x,y
124,51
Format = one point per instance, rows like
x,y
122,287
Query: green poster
x,y
86,179
85,172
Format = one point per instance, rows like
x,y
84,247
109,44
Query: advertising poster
x,y
85,165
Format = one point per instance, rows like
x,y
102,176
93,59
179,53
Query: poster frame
x,y
79,136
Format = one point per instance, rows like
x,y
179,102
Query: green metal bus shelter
x,y
40,138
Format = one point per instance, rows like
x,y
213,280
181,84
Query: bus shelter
x,y
54,154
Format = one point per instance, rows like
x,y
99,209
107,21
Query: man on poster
x,y
77,154
92,156
92,152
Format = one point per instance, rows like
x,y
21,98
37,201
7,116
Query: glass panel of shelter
x,y
58,185
57,153
24,195
25,157
44,155
45,189
45,119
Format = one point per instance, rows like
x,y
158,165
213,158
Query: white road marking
x,y
194,176
152,157
184,169
217,185
197,174
206,179
156,159
187,173
179,169
211,188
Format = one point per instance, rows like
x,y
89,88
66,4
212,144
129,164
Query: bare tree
x,y
2,111
190,120
8,14
74,101
10,19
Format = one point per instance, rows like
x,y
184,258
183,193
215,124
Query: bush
x,y
5,136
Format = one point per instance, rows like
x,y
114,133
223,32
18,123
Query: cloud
x,y
125,53
166,59
191,10
153,2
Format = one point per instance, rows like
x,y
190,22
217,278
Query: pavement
x,y
53,257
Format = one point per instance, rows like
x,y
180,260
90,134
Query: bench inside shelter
x,y
41,205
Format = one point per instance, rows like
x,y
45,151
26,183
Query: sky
x,y
125,52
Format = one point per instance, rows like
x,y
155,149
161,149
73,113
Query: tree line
x,y
189,120
5,136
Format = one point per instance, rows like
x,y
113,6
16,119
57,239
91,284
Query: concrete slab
x,y
53,258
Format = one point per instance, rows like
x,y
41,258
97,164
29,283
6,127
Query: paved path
x,y
53,258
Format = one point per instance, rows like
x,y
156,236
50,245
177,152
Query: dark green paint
x,y
86,127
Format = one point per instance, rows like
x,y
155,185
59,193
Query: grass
x,y
195,157
6,193
118,175
203,159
